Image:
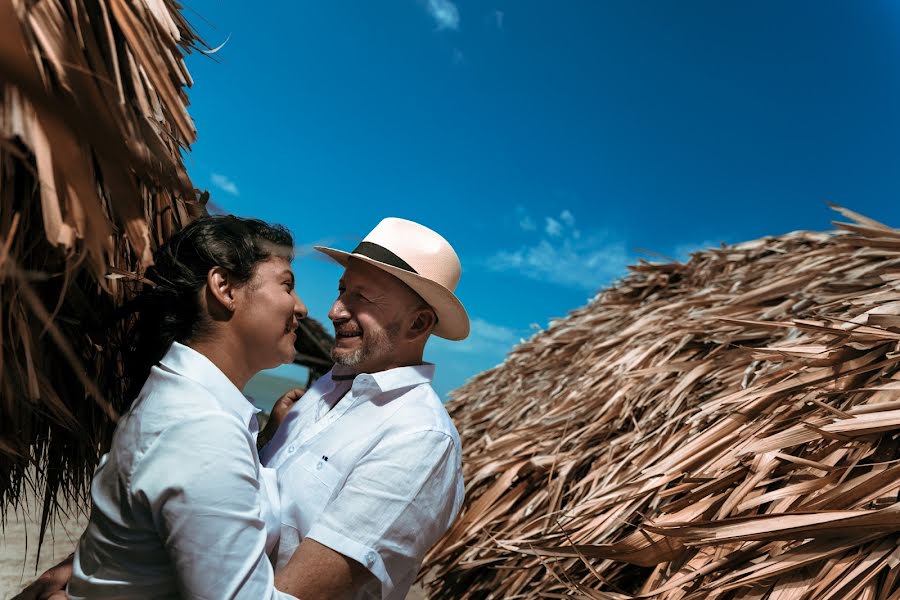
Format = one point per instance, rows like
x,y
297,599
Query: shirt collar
x,y
191,364
385,381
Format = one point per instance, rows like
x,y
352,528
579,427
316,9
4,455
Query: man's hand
x,y
51,585
279,412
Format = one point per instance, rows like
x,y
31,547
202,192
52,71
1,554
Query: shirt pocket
x,y
307,485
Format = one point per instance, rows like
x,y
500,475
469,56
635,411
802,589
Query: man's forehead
x,y
364,276
362,273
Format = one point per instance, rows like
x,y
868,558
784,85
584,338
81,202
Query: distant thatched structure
x,y
725,428
313,346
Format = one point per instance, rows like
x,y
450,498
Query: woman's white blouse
x,y
181,505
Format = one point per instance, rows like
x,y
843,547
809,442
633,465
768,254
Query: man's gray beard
x,y
376,346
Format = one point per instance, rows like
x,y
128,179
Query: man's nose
x,y
338,311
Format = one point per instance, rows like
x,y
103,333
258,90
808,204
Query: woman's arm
x,y
200,480
51,584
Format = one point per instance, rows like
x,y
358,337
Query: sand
x,y
18,548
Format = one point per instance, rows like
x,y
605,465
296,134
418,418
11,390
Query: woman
x,y
180,502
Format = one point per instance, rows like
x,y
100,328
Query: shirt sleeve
x,y
200,481
396,502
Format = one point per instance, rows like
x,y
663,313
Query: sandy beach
x,y
18,548
19,545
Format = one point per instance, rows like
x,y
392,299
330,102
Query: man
x,y
368,461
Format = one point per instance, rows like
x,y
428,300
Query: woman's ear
x,y
221,288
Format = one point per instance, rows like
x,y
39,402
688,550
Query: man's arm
x,y
316,572
393,506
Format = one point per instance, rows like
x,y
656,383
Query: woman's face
x,y
267,313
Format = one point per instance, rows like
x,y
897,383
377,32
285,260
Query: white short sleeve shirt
x,y
369,466
180,502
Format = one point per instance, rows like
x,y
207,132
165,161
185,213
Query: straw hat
x,y
423,260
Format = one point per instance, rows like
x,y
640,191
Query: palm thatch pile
x,y
724,428
93,122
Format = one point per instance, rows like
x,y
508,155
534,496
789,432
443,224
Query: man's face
x,y
369,316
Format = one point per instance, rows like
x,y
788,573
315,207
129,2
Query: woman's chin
x,y
288,356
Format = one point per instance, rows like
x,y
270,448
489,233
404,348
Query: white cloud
x,y
585,264
487,345
484,338
526,223
225,184
444,12
498,18
553,227
564,256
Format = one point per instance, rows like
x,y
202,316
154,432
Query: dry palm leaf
x,y
93,123
724,428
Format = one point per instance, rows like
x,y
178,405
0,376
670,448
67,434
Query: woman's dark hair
x,y
168,310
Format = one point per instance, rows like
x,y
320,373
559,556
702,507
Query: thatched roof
x,y
93,120
725,428
93,124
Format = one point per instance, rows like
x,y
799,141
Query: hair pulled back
x,y
168,309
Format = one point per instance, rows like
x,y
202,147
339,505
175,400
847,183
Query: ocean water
x,y
268,386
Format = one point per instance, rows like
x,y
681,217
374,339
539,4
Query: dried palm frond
x,y
724,428
313,347
93,122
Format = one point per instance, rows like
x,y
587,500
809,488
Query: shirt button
x,y
370,559
291,449
319,465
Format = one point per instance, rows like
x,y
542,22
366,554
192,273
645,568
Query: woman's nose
x,y
299,307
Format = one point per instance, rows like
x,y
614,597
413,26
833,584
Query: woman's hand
x,y
283,405
279,411
51,584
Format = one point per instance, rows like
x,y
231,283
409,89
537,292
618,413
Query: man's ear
x,y
221,287
424,321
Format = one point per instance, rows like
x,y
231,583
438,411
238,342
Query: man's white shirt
x,y
369,466
181,505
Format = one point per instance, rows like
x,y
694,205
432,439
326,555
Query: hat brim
x,y
453,321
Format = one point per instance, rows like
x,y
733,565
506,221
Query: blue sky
x,y
546,140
